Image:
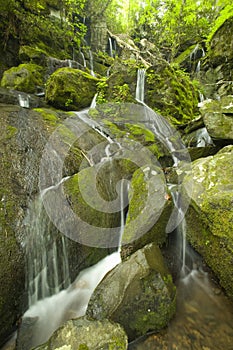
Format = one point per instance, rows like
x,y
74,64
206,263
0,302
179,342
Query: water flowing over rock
x,y
138,294
210,216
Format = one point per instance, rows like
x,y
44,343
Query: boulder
x,y
171,92
86,334
149,208
70,89
138,294
217,116
210,215
27,77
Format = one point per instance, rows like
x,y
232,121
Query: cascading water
x,y
110,47
24,100
140,87
91,63
203,138
83,58
46,273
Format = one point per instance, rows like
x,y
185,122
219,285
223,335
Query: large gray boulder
x,y
138,294
210,215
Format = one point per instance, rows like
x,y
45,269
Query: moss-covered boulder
x,y
26,77
121,85
138,294
87,334
70,89
171,92
130,121
149,208
217,116
32,54
210,215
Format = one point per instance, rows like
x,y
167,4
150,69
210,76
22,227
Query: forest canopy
x,y
172,25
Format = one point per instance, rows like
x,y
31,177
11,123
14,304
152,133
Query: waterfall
x,y
181,228
140,87
91,63
48,314
110,47
203,138
24,100
47,273
84,60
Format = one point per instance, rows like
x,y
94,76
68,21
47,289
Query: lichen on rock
x,y
210,215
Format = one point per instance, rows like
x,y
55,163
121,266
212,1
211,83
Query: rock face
x,y
85,334
138,294
210,216
218,119
217,74
70,89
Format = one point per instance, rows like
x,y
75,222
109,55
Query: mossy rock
x,y
217,116
70,89
149,209
138,294
32,54
87,334
210,215
27,77
122,82
171,92
128,121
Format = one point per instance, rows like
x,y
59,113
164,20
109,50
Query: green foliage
x,y
101,90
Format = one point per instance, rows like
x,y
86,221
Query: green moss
x,y
11,131
170,92
83,347
32,54
70,89
48,115
26,77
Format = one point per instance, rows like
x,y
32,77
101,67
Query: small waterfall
x,y
24,100
48,314
91,63
203,138
83,58
180,230
198,67
47,273
140,87
110,47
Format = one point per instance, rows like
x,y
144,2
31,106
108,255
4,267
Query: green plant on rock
x,y
121,93
102,86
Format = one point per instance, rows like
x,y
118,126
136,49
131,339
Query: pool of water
x,y
203,321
